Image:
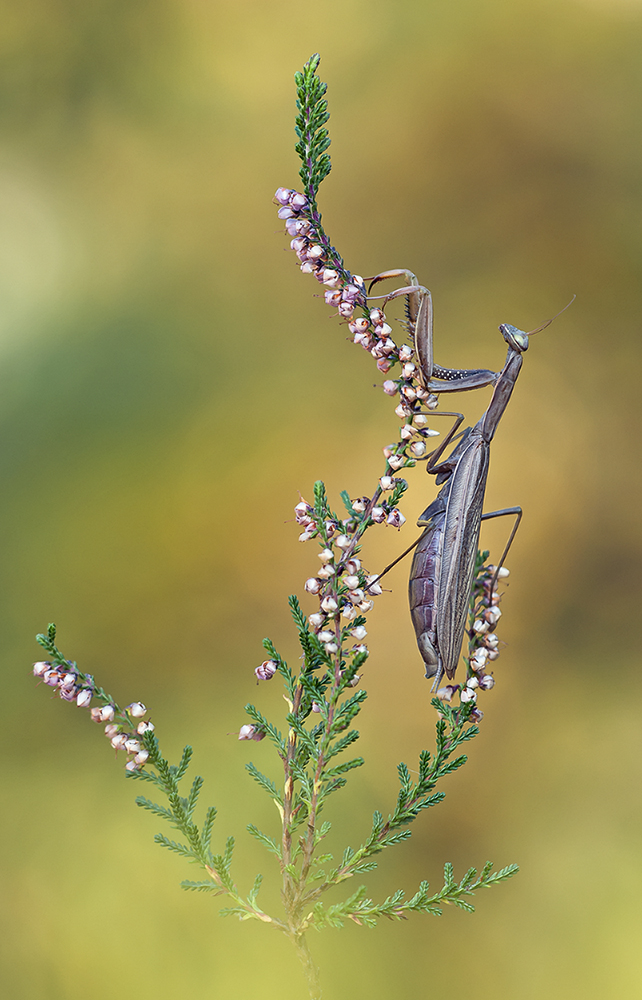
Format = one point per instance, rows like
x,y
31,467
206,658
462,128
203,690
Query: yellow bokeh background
x,y
170,384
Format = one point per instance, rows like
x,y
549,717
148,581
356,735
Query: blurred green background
x,y
169,384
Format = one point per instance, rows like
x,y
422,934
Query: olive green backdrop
x,y
169,384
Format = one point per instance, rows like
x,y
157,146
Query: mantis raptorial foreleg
x,y
419,312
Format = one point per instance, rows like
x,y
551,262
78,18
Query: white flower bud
x,y
357,595
343,541
406,432
359,632
384,365
137,710
395,519
132,746
332,298
331,648
266,670
329,605
359,325
408,370
360,504
472,682
355,680
387,483
83,698
467,695
310,532
316,620
352,581
480,627
420,420
353,565
247,732
446,693
326,636
376,316
396,462
346,309
348,612
432,402
418,449
330,277
326,571
40,668
141,757
145,727
390,387
493,654
111,730
491,640
366,606
118,741
68,681
384,330
492,615
403,411
131,765
307,267
285,213
326,555
316,707
378,515
487,682
313,586
373,586
360,648
409,393
405,352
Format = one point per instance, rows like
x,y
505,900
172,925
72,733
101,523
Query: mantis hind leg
x,y
517,514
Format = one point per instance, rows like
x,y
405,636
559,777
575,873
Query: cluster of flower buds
x,y
67,681
346,293
125,735
483,645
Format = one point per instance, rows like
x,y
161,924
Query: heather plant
x,y
312,746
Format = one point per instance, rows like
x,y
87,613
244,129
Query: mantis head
x,y
518,340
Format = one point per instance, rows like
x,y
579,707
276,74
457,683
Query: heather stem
x,y
311,971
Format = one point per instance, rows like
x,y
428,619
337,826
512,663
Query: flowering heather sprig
x,y
125,727
483,644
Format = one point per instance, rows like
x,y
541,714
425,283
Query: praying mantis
x,y
441,575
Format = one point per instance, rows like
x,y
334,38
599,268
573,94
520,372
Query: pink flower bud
x,y
315,252
67,693
346,310
83,698
384,365
378,515
359,325
332,298
266,670
316,707
313,586
307,267
377,316
285,213
298,201
282,195
52,677
40,668
249,732
330,277
137,710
